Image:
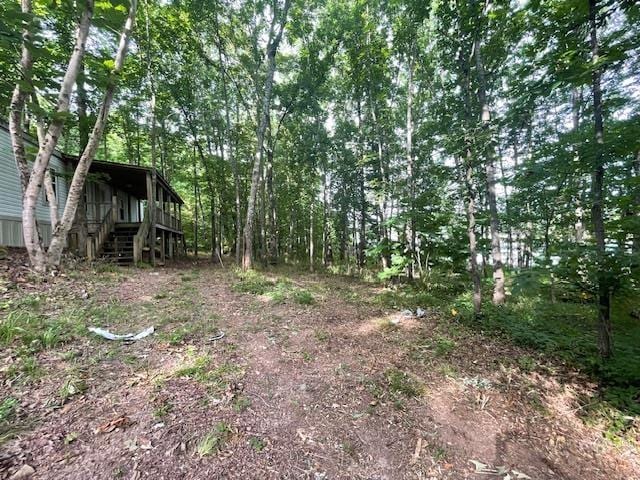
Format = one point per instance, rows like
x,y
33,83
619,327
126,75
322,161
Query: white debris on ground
x,y
126,337
477,382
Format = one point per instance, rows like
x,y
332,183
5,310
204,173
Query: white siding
x,y
11,192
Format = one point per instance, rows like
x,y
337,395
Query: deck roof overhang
x,y
129,178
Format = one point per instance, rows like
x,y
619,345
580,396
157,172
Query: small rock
x,y
420,313
406,313
25,472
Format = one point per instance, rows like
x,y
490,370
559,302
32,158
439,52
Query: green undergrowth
x,y
562,331
276,289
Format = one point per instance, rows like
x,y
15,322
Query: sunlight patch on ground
x,y
387,323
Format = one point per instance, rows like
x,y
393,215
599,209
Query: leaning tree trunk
x,y
83,134
17,103
605,339
272,48
76,189
18,100
32,240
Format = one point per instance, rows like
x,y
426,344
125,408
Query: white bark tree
x,y
59,235
32,180
275,36
32,184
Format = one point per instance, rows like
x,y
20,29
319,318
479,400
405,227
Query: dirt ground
x,y
328,387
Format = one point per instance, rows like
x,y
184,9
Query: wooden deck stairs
x,y
119,246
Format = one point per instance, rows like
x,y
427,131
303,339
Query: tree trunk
x,y
18,100
272,48
636,235
195,204
411,237
32,239
469,198
469,194
76,189
496,254
84,129
272,235
153,137
227,132
605,339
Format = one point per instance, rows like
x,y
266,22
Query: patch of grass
x,y
257,443
162,408
213,441
526,363
215,379
307,357
438,452
241,403
176,336
8,408
400,382
276,290
26,369
444,346
448,370
303,297
251,281
321,335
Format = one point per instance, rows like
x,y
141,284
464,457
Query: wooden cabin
x,y
124,209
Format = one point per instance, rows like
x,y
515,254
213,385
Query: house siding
x,y
11,193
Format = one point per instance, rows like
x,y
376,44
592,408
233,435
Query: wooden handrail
x,y
97,239
140,238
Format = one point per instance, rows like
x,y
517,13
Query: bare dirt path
x,y
312,379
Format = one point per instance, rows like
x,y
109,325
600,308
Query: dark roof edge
x,y
74,159
163,181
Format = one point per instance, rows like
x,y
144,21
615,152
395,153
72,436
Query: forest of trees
x,y
464,141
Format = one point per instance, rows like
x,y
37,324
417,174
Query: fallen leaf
x,y
111,425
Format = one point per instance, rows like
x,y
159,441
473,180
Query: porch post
x,y
152,220
114,208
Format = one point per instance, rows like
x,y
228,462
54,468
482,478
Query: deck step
x,y
119,246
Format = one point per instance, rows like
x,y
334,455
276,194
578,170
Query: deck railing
x,y
140,238
97,238
168,220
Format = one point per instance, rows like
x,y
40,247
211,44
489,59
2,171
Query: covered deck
x,y
127,208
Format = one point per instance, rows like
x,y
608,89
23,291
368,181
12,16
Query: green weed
x,y
241,403
8,408
303,297
257,444
400,382
444,346
213,441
